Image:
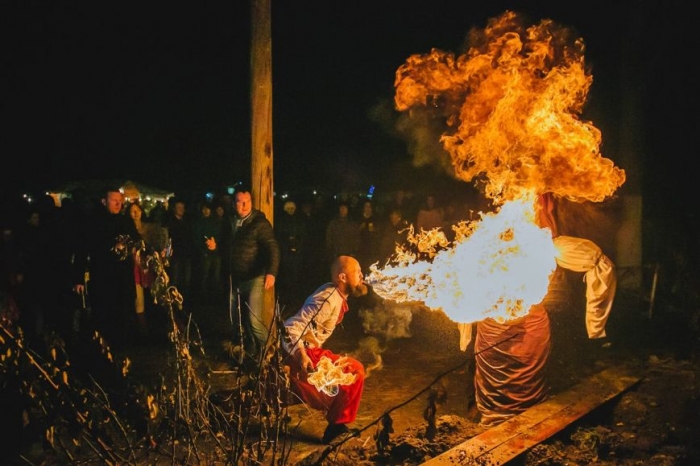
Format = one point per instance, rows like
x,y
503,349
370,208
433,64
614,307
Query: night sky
x,y
158,92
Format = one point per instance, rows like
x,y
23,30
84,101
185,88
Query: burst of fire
x,y
510,105
510,108
328,376
498,267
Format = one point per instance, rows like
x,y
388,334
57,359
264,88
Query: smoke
x,y
388,320
369,353
420,130
422,134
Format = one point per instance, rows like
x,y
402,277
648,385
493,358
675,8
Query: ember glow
x,y
510,110
328,376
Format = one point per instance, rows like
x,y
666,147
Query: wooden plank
x,y
509,439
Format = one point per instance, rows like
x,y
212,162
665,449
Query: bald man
x,y
308,330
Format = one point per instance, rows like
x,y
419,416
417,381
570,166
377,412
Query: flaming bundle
x,y
510,111
328,376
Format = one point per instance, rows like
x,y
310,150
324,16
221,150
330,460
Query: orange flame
x,y
510,104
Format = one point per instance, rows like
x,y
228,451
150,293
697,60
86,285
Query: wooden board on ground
x,y
509,439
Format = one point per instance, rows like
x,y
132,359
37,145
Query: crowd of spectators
x,y
47,247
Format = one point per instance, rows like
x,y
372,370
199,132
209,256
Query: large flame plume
x,y
511,107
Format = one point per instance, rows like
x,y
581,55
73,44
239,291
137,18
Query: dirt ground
x,y
413,354
412,357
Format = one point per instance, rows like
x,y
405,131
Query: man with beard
x,y
305,334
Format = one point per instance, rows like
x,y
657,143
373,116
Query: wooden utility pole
x,y
261,107
262,185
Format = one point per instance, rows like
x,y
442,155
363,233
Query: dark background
x,y
158,92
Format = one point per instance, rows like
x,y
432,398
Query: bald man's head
x,y
346,274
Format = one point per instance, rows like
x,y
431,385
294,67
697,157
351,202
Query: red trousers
x,y
341,408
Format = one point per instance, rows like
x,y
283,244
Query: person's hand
x,y
269,281
305,362
211,243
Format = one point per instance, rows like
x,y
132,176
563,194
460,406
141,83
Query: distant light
x,y
230,189
370,193
210,196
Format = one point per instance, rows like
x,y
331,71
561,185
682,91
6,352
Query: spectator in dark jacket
x,y
180,229
252,257
289,229
207,261
342,234
110,266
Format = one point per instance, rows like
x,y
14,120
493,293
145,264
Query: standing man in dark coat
x,y
252,257
110,267
180,229
289,229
